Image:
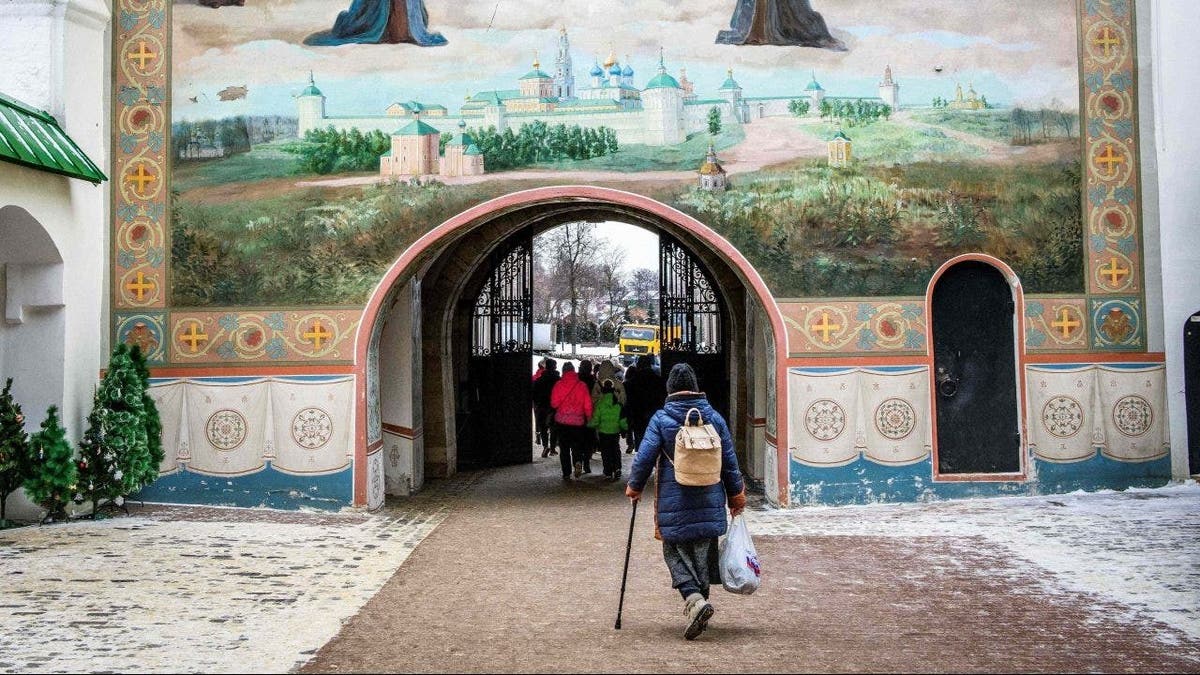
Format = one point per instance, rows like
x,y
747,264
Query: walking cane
x,y
625,572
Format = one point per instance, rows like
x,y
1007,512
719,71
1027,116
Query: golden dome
x,y
612,58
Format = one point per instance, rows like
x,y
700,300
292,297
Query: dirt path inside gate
x,y
524,573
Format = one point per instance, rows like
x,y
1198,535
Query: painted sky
x,y
1015,51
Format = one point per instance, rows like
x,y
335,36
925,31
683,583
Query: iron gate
x,y
499,375
691,321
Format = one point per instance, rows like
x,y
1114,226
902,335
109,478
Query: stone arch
x,y
493,221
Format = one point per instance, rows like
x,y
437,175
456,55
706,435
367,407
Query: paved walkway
x,y
517,571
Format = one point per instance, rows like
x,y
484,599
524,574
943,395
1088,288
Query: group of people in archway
x,y
578,413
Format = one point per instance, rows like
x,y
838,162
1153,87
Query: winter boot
x,y
698,612
578,469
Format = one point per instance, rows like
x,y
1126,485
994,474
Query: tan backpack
x,y
697,452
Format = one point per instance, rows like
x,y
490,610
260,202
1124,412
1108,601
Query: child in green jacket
x,y
608,419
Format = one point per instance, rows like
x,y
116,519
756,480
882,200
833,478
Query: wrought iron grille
x,y
689,310
502,321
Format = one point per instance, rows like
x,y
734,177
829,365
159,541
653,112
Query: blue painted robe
x,y
366,22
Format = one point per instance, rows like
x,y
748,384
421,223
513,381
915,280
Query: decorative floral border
x,y
1112,240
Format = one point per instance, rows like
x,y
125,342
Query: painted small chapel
x,y
916,250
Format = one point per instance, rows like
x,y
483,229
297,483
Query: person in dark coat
x,y
587,376
688,519
644,394
542,387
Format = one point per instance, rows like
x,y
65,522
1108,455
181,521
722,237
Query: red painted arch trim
x,y
1018,296
476,215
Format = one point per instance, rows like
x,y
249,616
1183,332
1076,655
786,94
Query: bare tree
x,y
569,250
644,285
610,270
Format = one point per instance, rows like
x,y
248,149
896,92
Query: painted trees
x,y
714,121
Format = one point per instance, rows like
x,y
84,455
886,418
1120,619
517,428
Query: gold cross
x,y
1114,272
1110,158
1064,323
140,286
142,55
317,334
141,178
825,327
1107,40
194,337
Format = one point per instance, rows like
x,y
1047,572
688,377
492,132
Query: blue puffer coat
x,y
682,512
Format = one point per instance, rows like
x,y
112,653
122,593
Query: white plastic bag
x,y
740,572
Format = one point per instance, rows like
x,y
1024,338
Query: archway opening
x,y
415,341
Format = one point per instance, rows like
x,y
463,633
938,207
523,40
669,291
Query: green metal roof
x,y
311,90
729,83
840,134
32,138
472,150
536,74
416,128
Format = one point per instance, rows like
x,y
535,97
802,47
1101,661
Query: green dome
x,y
311,90
814,85
663,81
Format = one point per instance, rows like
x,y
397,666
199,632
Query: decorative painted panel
x,y
1056,324
1118,409
325,334
855,326
840,415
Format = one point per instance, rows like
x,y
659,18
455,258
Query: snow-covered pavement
x,y
1139,548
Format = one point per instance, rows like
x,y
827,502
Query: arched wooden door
x,y
975,372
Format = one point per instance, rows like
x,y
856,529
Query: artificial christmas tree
x,y
14,448
114,458
153,421
52,475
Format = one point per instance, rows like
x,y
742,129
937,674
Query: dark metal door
x,y
1191,389
975,372
500,369
691,321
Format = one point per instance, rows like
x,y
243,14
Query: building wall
x,y
58,59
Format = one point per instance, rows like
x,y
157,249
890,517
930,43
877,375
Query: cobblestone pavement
x,y
524,574
173,589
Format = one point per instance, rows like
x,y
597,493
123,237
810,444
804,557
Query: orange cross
x,y
141,178
825,327
140,286
1114,273
317,333
1064,323
1107,40
1111,159
142,55
194,337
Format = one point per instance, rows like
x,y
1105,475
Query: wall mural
x,y
291,149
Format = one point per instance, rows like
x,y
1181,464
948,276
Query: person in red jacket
x,y
572,403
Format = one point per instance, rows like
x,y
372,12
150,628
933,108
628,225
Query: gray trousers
x,y
693,565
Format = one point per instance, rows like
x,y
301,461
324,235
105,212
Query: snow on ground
x,y
1139,548
144,595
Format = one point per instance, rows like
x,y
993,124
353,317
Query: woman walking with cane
x,y
688,519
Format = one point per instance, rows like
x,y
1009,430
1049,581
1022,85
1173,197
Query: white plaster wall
x,y
57,58
1176,81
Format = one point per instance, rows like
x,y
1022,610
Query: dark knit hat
x,y
682,378
568,367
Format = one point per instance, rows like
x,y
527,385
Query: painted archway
x,y
418,254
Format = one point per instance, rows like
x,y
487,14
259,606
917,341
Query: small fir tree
x,y
714,121
153,420
14,448
52,478
115,456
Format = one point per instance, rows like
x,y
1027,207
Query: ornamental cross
x,y
194,337
140,286
1110,159
141,179
1065,323
317,334
1113,272
825,327
142,55
1107,41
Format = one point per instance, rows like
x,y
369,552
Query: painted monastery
x,y
663,112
